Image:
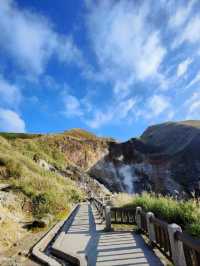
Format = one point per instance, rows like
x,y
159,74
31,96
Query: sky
x,y
111,67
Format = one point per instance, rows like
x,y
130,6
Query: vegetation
x,y
40,148
48,192
184,213
10,136
80,133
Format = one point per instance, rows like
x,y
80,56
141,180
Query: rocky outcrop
x,y
165,160
75,173
78,146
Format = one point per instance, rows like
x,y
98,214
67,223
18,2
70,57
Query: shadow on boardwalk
x,y
117,248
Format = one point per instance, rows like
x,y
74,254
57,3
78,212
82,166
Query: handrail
x,y
144,222
162,237
99,206
122,215
191,248
188,240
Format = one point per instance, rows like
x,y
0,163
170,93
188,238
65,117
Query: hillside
x,y
45,177
164,159
171,138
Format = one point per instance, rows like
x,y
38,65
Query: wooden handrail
x,y
188,240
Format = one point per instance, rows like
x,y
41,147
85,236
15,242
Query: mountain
x,y
165,159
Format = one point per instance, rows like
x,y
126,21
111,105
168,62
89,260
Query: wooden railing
x,y
144,222
191,248
158,231
99,206
122,216
162,237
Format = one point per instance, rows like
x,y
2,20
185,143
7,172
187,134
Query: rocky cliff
x,y
165,159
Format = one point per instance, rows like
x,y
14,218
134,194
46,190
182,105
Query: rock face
x,y
165,159
79,147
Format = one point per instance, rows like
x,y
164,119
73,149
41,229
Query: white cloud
x,y
99,119
116,112
181,14
72,106
121,89
158,104
68,52
123,41
31,40
156,107
10,121
183,67
10,94
195,80
190,33
192,105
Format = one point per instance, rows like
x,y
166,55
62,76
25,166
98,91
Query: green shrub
x,y
14,168
193,229
12,136
184,213
40,204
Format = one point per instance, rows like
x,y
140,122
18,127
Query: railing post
x,y
178,256
107,218
138,217
103,211
102,200
150,227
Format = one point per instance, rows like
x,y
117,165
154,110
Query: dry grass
x,y
11,230
121,199
184,213
49,192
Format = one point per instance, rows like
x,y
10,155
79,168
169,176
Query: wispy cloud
x,y
10,94
181,14
10,121
115,113
125,44
183,67
30,39
190,33
192,105
157,106
195,80
72,106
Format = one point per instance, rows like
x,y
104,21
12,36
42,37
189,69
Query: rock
x,y
165,160
48,167
39,224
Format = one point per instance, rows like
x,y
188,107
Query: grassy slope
x,y
59,150
184,213
48,192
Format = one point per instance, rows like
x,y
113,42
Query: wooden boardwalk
x,y
86,238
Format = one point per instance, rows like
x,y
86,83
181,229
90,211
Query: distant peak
x,y
80,133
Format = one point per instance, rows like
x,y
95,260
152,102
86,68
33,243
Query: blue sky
x,y
109,66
